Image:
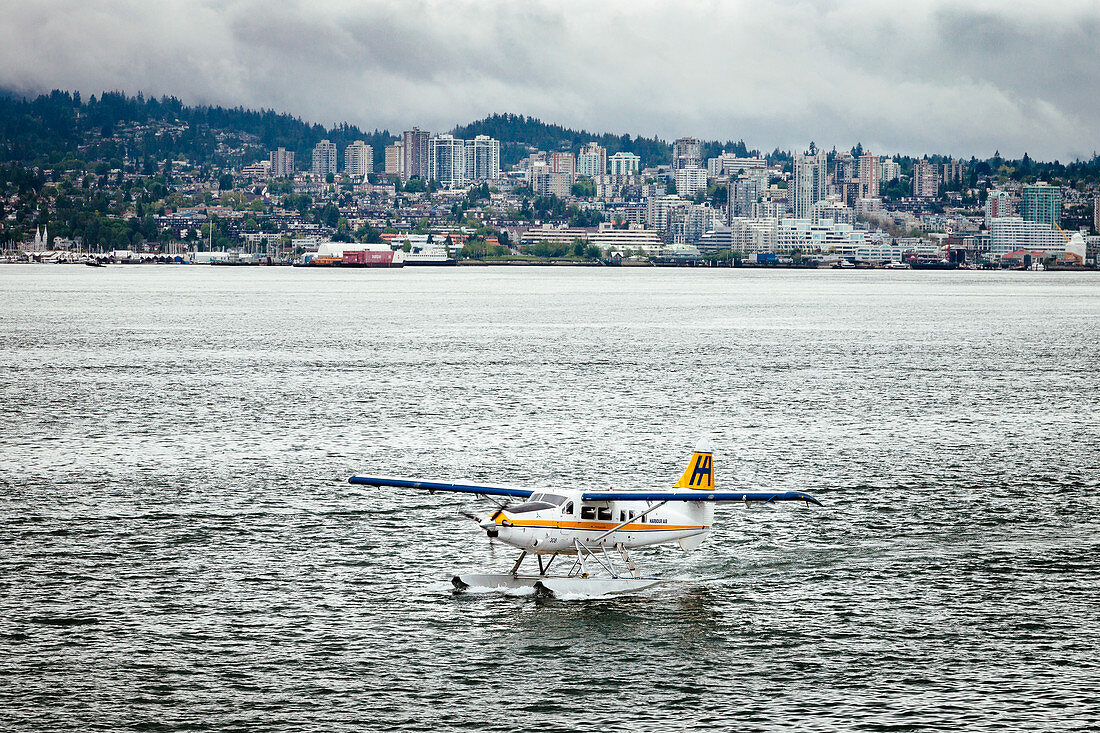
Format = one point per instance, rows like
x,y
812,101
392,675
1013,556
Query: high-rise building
x,y
545,182
952,172
1096,215
282,163
1041,202
563,162
624,164
592,160
845,169
868,176
415,159
808,183
744,194
395,158
997,206
359,159
324,158
690,180
926,180
890,170
483,159
687,151
447,160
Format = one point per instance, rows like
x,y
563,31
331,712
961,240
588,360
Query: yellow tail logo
x,y
700,472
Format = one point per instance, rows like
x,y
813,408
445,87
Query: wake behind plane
x,y
595,529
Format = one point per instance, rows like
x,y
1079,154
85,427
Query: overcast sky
x,y
911,77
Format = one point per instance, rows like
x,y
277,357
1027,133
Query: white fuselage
x,y
561,518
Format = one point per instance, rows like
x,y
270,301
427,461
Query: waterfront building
x,y
282,163
1041,202
592,160
1096,215
997,206
415,163
868,176
447,160
634,238
748,236
690,180
359,159
889,170
926,180
1092,249
624,164
808,183
483,159
395,158
687,152
324,158
802,235
1012,233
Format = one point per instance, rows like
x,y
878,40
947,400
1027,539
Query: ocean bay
x,y
181,548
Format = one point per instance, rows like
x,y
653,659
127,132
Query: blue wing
x,y
430,486
763,497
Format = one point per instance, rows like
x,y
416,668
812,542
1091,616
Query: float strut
x,y
515,568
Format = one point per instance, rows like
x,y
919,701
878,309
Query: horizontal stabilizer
x,y
408,483
762,497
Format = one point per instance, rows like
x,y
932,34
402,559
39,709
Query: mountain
x,y
520,135
61,128
44,130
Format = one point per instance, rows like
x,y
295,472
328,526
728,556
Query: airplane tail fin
x,y
699,473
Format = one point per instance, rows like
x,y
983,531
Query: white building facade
x,y
359,159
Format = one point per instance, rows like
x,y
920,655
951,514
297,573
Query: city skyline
x,y
932,77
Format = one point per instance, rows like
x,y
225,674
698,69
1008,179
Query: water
x,y
179,549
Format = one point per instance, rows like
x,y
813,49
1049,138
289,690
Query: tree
x,y
584,188
225,183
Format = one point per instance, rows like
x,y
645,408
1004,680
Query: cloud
x,y
940,76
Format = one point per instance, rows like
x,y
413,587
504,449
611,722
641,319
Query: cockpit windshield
x,y
538,502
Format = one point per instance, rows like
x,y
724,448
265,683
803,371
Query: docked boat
x,y
429,257
931,264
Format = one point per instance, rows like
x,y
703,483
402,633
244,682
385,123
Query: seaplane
x,y
594,528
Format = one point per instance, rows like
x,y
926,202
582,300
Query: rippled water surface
x,y
179,548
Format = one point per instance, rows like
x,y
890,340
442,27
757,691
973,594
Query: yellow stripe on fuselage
x,y
604,526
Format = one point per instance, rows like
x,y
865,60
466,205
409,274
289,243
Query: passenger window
x,y
568,508
622,516
604,513
588,512
630,514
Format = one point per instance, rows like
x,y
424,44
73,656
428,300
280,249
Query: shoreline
x,y
564,263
